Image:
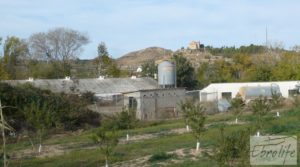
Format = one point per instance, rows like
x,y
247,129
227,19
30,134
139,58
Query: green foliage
x,y
113,70
275,129
15,51
250,66
161,156
102,50
276,101
40,119
231,51
102,60
186,108
47,70
194,115
124,120
260,107
149,69
262,73
185,72
237,105
232,149
105,64
107,140
89,97
69,110
196,120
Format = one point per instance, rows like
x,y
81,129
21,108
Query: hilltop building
x,y
196,45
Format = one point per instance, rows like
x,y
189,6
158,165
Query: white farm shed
x,y
217,91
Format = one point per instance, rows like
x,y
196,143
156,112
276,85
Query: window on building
x,y
226,95
132,103
293,92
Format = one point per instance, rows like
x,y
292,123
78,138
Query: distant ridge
x,y
139,57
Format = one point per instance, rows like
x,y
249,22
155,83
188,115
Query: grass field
x,y
166,141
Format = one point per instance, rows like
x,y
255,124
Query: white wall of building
x,y
157,103
214,91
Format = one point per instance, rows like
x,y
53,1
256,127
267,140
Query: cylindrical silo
x,y
167,74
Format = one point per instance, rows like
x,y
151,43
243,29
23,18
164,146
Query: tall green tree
x,y
185,72
102,60
15,53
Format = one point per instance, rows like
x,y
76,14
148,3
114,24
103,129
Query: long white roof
x,y
237,85
98,86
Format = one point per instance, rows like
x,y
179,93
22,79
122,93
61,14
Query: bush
x,y
161,156
275,129
69,110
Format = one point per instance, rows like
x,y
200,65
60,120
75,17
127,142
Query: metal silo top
x,y
167,74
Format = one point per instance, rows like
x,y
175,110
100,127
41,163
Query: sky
x,y
129,25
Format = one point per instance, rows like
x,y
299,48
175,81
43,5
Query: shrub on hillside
x,y
70,110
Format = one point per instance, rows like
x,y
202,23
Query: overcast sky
x,y
128,25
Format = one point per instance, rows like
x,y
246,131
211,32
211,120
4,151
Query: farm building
x,y
248,90
113,94
156,103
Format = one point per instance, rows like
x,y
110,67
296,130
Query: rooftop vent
x,y
139,69
67,78
30,79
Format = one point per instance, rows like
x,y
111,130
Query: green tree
x,y
61,44
185,72
260,108
41,118
186,108
3,74
103,59
277,100
195,115
42,69
203,75
261,72
126,120
149,69
113,70
241,64
107,139
232,149
236,106
15,52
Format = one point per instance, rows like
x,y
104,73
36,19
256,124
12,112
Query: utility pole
x,y
266,36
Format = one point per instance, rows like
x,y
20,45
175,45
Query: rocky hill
x,y
134,59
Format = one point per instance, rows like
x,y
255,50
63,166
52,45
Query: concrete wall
x,y
157,104
214,92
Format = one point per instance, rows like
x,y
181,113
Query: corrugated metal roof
x,y
98,86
